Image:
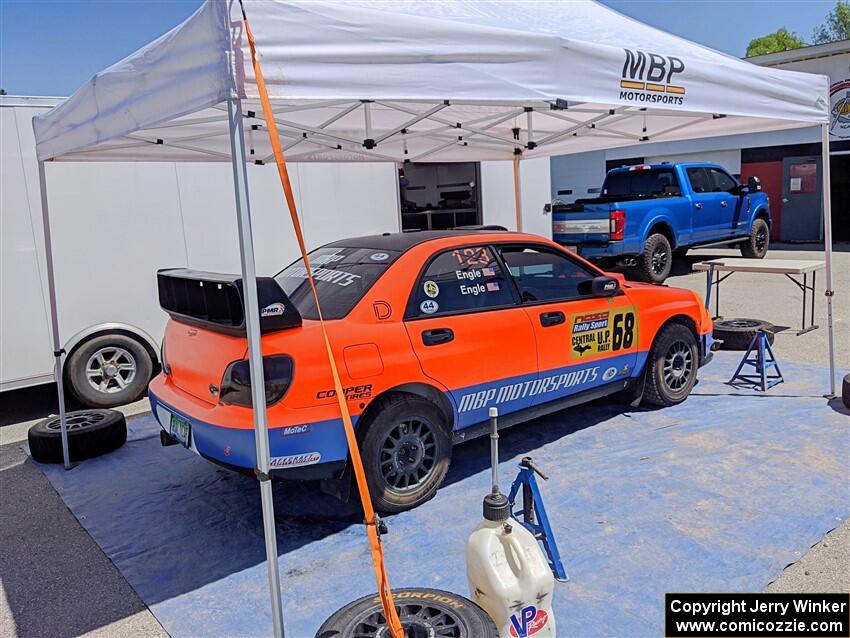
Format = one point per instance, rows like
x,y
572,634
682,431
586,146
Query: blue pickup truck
x,y
646,214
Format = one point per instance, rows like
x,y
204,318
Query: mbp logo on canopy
x,y
649,77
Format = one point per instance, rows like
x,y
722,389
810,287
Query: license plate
x,y
180,429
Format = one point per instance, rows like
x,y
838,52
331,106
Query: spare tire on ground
x,y
90,433
738,334
422,612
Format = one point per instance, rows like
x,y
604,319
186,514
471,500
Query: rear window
x,y
342,275
655,182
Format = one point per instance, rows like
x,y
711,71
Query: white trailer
x,y
129,219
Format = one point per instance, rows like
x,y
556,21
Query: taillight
x,y
618,224
236,383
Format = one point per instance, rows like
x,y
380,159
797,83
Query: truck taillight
x,y
236,384
618,224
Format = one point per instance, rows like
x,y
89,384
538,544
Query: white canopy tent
x,y
411,80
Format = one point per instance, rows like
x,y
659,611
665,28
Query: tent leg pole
x,y
255,355
517,195
58,351
827,240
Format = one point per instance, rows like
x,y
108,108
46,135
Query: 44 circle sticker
x,y
429,306
602,332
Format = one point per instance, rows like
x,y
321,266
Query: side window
x,y
467,278
722,182
544,275
700,181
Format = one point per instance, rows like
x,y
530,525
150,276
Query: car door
x,y
583,341
470,333
708,210
729,217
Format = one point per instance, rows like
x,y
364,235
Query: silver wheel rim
x,y
110,369
76,421
678,366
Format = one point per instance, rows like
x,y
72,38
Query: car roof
x,y
402,242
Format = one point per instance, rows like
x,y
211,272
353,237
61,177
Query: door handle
x,y
698,205
437,336
552,318
723,203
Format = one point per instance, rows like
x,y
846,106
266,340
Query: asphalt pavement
x,y
55,581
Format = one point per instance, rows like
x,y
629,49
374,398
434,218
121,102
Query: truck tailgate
x,y
578,224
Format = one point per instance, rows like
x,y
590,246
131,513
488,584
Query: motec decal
x,y
649,77
602,332
528,621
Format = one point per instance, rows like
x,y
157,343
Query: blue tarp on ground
x,y
717,494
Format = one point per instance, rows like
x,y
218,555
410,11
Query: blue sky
x,y
50,47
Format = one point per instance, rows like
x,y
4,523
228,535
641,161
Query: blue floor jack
x,y
532,508
759,355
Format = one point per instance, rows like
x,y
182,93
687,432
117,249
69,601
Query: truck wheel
x,y
108,371
845,391
756,245
738,334
90,433
656,259
422,612
672,366
406,451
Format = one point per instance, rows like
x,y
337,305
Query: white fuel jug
x,y
509,576
510,579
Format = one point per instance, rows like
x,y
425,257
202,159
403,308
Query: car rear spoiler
x,y
216,302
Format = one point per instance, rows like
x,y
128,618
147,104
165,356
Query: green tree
x,y
781,40
836,26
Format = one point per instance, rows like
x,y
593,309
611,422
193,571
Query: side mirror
x,y
602,286
547,208
741,190
753,184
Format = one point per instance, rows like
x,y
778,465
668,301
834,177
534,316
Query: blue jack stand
x,y
760,356
532,500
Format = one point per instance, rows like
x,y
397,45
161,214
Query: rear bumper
x,y
600,250
298,450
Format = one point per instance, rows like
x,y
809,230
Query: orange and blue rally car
x,y
429,330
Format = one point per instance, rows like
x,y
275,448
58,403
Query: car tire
x,y
422,612
758,242
90,433
738,334
671,369
108,371
845,391
656,259
406,449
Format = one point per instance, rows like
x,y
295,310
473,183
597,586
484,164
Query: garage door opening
x,y
840,173
439,196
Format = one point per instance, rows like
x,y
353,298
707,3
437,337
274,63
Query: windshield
x,y
342,275
656,182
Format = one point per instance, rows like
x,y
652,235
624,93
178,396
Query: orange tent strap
x,y
360,475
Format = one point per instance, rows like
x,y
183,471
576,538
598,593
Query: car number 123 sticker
x,y
601,332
